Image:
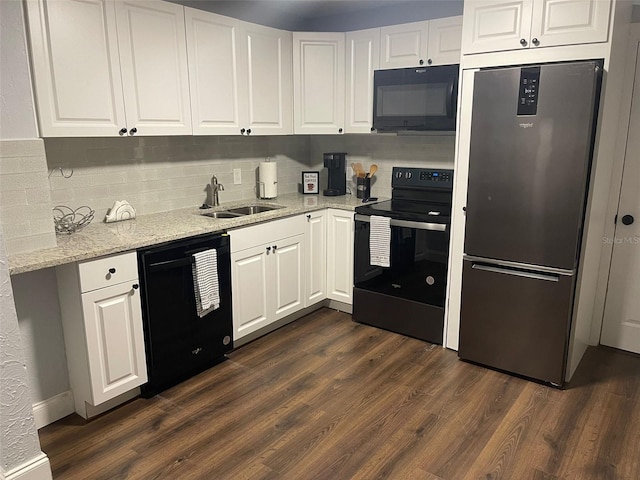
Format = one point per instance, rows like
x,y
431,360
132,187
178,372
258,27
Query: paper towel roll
x,y
268,180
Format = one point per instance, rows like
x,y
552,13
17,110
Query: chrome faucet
x,y
215,188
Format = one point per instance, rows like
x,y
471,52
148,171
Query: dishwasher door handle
x,y
437,227
171,264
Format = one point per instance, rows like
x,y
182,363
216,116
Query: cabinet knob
x,y
248,131
268,250
112,271
308,217
135,286
523,42
242,130
535,41
133,131
275,247
628,219
339,130
421,62
429,61
123,131
373,129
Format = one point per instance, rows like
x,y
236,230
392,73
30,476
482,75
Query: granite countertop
x,y
99,238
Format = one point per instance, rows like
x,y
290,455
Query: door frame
x,y
631,56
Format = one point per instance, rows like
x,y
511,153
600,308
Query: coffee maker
x,y
335,164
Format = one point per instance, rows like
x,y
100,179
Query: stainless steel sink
x,y
222,214
252,209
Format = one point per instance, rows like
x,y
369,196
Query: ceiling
x,y
329,15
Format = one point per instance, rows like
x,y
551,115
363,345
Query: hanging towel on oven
x,y
205,281
380,241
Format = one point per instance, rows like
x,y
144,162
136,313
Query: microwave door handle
x,y
451,91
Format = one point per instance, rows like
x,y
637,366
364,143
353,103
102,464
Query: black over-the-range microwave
x,y
420,98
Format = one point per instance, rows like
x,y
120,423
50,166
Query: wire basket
x,y
67,220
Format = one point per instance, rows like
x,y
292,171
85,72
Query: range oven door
x,y
408,297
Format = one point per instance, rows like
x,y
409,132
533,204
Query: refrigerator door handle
x,y
517,273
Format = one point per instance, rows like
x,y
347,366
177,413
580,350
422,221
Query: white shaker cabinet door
x,y
363,57
288,264
213,45
445,41
252,288
115,341
404,45
153,60
496,25
569,22
340,255
76,68
318,82
316,257
267,81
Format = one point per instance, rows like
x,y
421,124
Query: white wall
x,y
17,119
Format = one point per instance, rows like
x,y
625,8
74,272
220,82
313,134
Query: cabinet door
x,y
445,41
340,255
316,257
267,82
76,68
115,342
567,22
213,45
363,57
496,25
404,45
287,263
250,285
153,60
318,83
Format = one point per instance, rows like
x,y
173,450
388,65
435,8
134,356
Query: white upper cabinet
x,y
240,76
76,68
109,67
445,41
363,54
213,45
268,84
153,58
497,25
404,45
319,82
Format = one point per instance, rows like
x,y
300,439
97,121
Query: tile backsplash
x,y
25,198
157,174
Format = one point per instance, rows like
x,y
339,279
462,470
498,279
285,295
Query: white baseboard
x,y
53,409
37,468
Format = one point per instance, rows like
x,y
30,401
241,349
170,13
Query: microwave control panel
x,y
421,177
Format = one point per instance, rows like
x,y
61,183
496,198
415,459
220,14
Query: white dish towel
x,y
380,241
205,281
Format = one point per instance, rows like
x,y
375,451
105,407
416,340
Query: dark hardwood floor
x,y
327,398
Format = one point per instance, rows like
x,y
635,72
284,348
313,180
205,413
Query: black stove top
x,y
418,194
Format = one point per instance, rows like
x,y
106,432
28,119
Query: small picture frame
x,y
311,183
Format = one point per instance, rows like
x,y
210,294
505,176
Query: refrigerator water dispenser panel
x,y
529,88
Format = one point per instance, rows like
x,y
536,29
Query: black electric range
x,y
405,292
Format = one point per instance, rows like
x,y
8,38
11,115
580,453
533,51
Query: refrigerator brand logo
x,y
526,125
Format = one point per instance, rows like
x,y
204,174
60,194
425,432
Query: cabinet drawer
x,y
107,271
267,232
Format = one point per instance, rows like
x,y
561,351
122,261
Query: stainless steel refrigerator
x,y
531,147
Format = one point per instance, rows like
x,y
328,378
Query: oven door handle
x,y
437,227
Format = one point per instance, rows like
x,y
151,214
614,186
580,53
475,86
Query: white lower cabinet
x,y
102,322
267,278
340,255
316,257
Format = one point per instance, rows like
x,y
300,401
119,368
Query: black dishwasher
x,y
178,342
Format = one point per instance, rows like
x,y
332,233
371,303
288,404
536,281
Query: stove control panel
x,y
422,178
